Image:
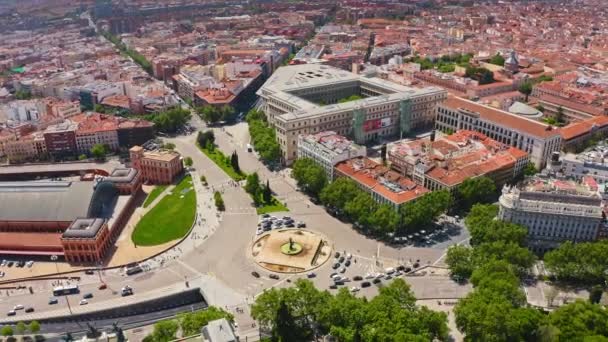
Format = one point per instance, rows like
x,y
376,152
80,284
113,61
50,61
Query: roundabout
x,y
291,250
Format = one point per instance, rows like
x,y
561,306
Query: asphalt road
x,y
225,255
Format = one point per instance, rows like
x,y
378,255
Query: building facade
x,y
537,139
554,211
328,149
157,167
311,98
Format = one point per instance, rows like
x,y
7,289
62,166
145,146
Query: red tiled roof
x,y
369,173
577,129
503,118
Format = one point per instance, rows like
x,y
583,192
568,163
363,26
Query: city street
x,y
217,254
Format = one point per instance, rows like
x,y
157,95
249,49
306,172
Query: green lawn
x,y
223,162
153,194
170,219
275,206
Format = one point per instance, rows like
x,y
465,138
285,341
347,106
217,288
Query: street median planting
x,y
170,219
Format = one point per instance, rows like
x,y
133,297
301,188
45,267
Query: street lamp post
x,y
54,258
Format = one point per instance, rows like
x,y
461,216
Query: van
x,y
249,148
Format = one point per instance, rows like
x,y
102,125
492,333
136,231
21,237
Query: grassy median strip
x,y
273,207
154,194
170,219
222,162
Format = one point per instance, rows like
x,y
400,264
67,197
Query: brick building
x,y
158,167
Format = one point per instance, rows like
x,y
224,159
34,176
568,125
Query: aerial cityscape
x,y
295,171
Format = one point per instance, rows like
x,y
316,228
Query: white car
x,y
18,307
29,263
354,289
343,270
4,262
349,256
2,274
83,302
370,276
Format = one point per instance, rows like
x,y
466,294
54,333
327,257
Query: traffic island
x,y
291,250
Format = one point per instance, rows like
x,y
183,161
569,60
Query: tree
x,y
171,120
460,260
336,194
285,328
579,262
192,323
204,180
228,113
169,146
209,114
479,218
559,115
384,219
360,208
530,170
497,59
252,184
188,161
263,137
526,89
267,193
234,162
476,190
580,320
7,330
595,294
82,157
219,201
425,210
34,327
99,151
20,328
310,176
205,138
165,331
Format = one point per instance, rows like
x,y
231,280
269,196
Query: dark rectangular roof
x,y
83,228
44,200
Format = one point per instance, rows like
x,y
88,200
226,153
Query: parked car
x,y
337,255
89,272
377,281
83,302
343,270
333,275
87,296
354,289
2,274
11,313
126,291
103,287
311,275
347,263
357,278
333,286
301,224
341,259
255,274
365,284
53,300
273,276
18,307
30,309
336,266
340,282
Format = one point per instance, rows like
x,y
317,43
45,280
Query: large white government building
x,y
305,99
553,210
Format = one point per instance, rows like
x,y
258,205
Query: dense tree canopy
x,y
263,137
476,190
390,316
425,210
580,321
206,138
579,262
310,176
497,59
171,120
192,323
336,194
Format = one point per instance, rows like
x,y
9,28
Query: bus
x,y
65,290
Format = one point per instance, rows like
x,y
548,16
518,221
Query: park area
x,y
170,219
154,194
